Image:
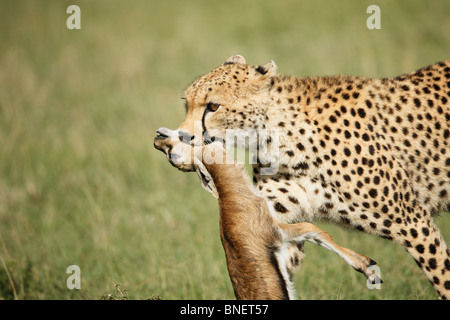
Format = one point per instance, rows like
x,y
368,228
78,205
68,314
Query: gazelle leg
x,y
305,231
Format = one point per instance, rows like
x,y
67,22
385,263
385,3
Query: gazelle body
x,y
257,248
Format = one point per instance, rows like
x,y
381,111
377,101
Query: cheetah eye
x,y
212,107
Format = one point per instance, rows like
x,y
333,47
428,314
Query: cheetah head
x,y
233,96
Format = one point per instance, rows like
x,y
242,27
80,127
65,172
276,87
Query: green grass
x,y
80,182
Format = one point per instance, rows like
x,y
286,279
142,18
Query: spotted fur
x,y
368,153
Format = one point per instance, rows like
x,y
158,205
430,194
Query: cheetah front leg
x,y
285,207
425,244
295,253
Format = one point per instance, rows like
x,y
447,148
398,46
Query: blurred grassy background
x,y
80,182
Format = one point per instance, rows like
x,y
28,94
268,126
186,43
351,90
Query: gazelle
x,y
256,246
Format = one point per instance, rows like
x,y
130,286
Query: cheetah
x,y
372,154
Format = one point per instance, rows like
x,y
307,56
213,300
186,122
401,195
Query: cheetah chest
x,y
298,199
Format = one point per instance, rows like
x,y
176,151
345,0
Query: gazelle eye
x,y
212,107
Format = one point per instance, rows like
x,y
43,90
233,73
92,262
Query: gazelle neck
x,y
249,236
230,180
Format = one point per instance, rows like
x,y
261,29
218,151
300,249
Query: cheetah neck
x,y
299,95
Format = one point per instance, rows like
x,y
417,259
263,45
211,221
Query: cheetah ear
x,y
205,178
267,70
235,59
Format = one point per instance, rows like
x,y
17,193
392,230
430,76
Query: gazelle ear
x,y
268,70
235,59
205,178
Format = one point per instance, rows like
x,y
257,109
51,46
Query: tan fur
x,y
252,240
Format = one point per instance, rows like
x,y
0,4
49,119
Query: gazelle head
x,y
184,155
